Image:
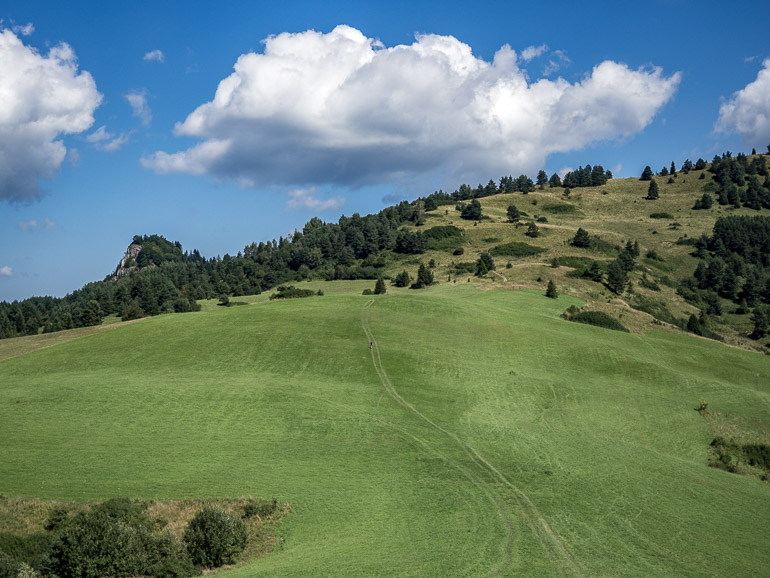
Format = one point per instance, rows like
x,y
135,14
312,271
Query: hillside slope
x,y
481,434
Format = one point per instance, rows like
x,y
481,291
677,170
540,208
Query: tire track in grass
x,y
549,540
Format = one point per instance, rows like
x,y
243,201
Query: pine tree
x,y
513,214
551,290
581,239
652,191
379,287
646,174
616,277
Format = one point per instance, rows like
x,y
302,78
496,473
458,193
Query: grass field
x,y
482,435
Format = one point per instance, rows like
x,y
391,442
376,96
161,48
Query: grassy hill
x,y
481,435
616,212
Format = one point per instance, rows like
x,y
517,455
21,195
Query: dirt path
x,y
503,277
549,540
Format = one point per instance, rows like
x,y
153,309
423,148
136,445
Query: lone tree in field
x,y
551,290
379,287
532,230
581,239
513,214
646,174
652,191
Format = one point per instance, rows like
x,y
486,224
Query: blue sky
x,y
109,125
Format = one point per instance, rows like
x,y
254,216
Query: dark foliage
x,y
587,176
214,538
516,249
291,292
581,239
595,318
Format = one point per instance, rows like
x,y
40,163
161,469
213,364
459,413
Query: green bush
x,y
214,537
515,249
661,216
291,292
560,209
598,319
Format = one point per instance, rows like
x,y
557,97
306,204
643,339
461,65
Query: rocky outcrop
x,y
128,262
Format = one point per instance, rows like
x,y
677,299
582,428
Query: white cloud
x,y
300,199
107,141
43,98
155,56
25,226
6,271
49,224
748,110
139,106
558,59
25,30
335,108
531,52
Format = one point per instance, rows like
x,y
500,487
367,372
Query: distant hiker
x,y
371,344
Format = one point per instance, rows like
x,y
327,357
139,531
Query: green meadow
x,y
480,435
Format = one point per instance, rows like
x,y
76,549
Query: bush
x,y
661,216
116,539
291,292
458,251
214,537
560,209
515,249
598,319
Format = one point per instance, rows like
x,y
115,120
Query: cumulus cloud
x,y
6,271
339,108
139,106
306,199
747,112
154,56
107,141
43,98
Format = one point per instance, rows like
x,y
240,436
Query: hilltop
x,y
526,234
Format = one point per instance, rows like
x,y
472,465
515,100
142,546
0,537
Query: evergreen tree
x,y
555,181
652,191
513,214
616,277
581,239
761,319
471,211
542,178
379,287
673,169
92,314
402,279
646,174
424,277
532,230
551,290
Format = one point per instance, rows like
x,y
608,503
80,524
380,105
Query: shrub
x,y
291,292
515,249
458,251
559,209
598,319
214,537
661,216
